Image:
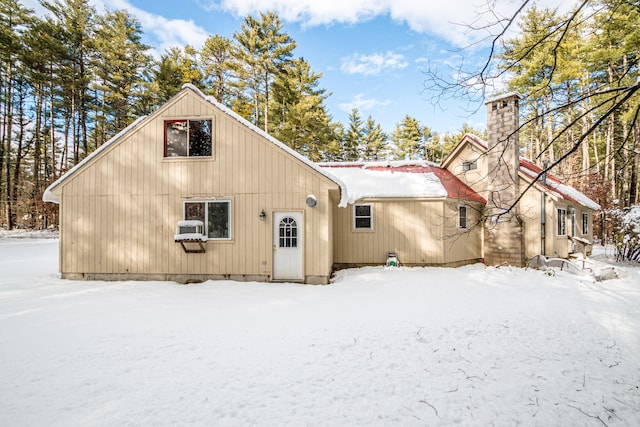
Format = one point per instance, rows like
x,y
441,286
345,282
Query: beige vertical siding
x,y
420,232
475,178
555,245
119,213
531,216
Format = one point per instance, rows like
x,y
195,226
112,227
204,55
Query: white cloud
x,y
447,19
373,64
363,104
167,32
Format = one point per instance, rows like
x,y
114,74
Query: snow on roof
x,y
527,167
399,179
479,141
572,193
556,186
498,97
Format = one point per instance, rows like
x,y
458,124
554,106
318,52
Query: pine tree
x,y
76,19
432,145
166,80
120,66
408,139
38,59
299,117
579,77
374,141
13,20
219,67
263,50
353,137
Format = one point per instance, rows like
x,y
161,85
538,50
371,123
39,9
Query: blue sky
x,y
372,53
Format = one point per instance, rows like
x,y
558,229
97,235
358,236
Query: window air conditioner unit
x,y
190,229
191,232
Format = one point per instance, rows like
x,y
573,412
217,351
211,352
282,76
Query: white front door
x,y
287,246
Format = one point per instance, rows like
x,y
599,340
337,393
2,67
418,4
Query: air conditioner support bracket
x,y
192,246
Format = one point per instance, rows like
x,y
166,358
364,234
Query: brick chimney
x,y
503,240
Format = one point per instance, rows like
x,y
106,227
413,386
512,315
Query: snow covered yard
x,y
424,346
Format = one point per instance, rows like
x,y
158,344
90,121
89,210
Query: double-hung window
x,y
562,222
188,138
215,214
362,217
585,223
462,217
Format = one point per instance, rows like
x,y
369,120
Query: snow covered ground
x,y
423,346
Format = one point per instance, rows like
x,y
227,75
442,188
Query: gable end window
x,y
469,165
188,138
362,217
585,223
562,222
462,217
215,214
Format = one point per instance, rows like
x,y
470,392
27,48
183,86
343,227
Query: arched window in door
x,y
288,233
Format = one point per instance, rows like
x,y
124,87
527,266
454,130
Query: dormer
x,y
467,161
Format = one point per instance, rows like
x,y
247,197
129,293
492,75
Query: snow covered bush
x,y
627,233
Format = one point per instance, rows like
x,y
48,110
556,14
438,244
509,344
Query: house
x,y
550,218
266,211
195,192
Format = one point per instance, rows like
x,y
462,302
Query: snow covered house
x,y
551,218
194,192
416,210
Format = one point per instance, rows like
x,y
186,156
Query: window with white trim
x,y
562,222
462,217
469,165
188,138
362,217
215,214
585,223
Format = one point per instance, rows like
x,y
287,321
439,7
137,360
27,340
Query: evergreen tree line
x,y
578,74
71,80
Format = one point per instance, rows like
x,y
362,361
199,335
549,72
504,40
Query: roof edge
x,y
456,148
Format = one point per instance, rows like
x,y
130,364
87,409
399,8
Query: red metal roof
x,y
554,184
533,170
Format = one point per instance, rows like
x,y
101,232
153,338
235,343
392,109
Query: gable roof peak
x,y
279,144
49,196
